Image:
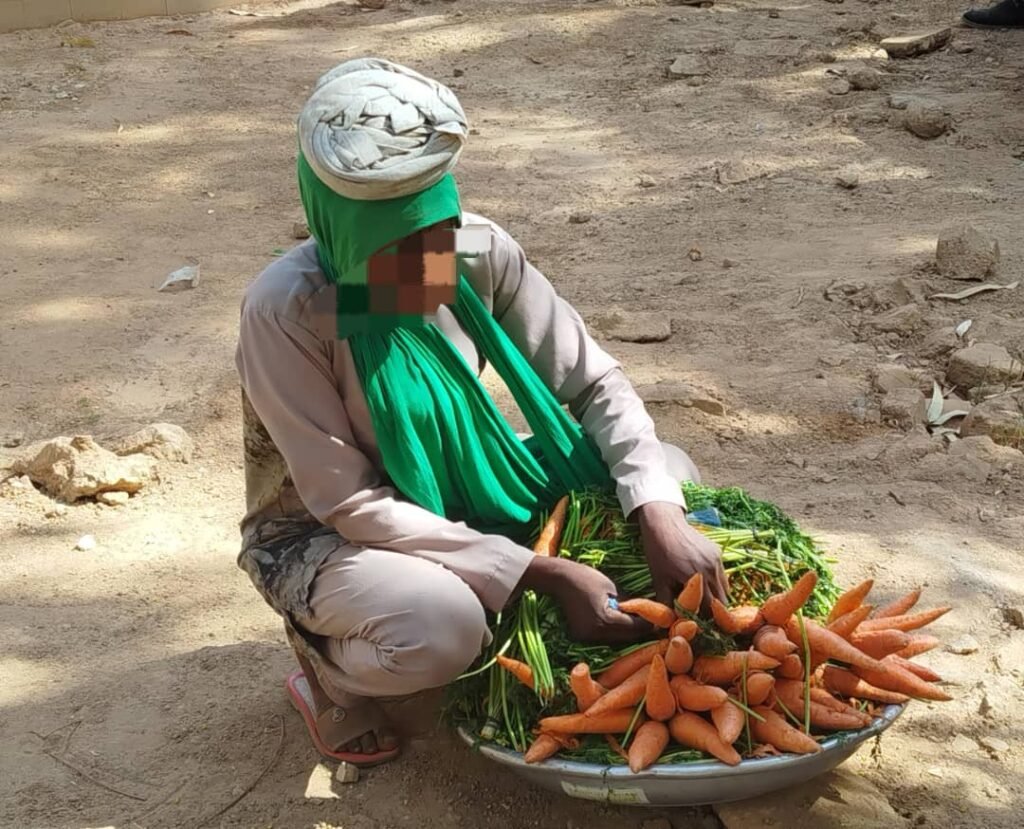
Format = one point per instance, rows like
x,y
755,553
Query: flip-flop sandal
x,y
338,726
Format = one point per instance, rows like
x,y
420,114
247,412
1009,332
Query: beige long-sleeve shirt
x,y
311,455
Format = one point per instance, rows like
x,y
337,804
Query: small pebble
x,y
963,645
935,771
347,773
86,543
994,744
579,217
646,181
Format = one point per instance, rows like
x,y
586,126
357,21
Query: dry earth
x,y
149,663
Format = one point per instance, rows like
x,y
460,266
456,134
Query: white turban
x,y
375,130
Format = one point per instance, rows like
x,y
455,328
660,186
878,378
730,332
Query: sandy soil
x,y
151,665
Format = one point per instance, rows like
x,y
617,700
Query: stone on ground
x,y
908,46
904,407
163,441
1001,419
300,230
983,364
667,392
865,78
113,499
72,468
926,120
738,172
902,320
689,66
887,377
848,178
964,252
635,326
963,645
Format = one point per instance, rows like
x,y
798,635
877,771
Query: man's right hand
x,y
583,594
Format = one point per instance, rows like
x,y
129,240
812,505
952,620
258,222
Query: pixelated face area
x,y
416,275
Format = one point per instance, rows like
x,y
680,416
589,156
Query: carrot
x,y
922,671
687,628
611,722
679,656
771,641
846,624
542,748
879,643
693,731
899,607
627,694
520,670
740,620
896,678
791,667
910,621
759,687
831,646
722,670
823,697
586,690
693,696
850,600
624,667
843,682
616,746
775,731
791,694
692,594
551,534
659,615
661,702
778,609
729,720
919,643
649,742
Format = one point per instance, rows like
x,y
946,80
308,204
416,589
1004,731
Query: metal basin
x,y
685,784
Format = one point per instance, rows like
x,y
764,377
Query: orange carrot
x,y
829,645
771,641
743,620
823,697
626,666
778,609
791,694
693,731
611,722
624,695
656,613
551,534
649,742
679,656
879,643
791,667
687,628
847,684
520,670
661,702
922,671
729,720
846,624
586,690
850,600
911,621
896,678
692,594
693,696
919,643
723,670
759,687
899,607
542,748
616,746
777,732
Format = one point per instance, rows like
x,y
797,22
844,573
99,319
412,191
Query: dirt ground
x,y
141,680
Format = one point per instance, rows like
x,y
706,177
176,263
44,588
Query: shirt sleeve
x,y
581,375
287,374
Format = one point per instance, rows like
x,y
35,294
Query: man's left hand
x,y
675,551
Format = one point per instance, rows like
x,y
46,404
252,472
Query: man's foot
x,y
1008,14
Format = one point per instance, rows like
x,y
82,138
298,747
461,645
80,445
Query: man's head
x,y
415,275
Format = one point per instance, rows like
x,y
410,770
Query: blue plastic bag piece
x,y
709,516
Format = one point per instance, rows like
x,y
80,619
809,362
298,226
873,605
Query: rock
x,y
963,745
667,393
163,441
320,785
899,100
737,172
729,263
300,230
709,405
903,320
12,440
904,407
963,645
656,823
78,467
940,468
457,73
689,66
839,799
887,377
1013,616
909,46
848,179
635,327
839,86
939,343
926,120
864,78
85,543
56,511
373,4
580,217
113,499
646,181
995,745
1001,419
985,449
183,279
770,48
983,363
964,252
347,773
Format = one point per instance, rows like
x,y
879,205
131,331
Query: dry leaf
x,y
963,327
185,32
977,289
935,407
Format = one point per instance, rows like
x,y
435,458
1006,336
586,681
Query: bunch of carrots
x,y
750,680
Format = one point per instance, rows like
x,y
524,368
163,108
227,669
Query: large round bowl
x,y
685,784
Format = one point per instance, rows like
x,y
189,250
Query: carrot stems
x,y
746,709
632,723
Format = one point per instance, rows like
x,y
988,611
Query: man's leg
x,y
1007,14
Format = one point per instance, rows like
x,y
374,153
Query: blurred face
x,y
416,275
